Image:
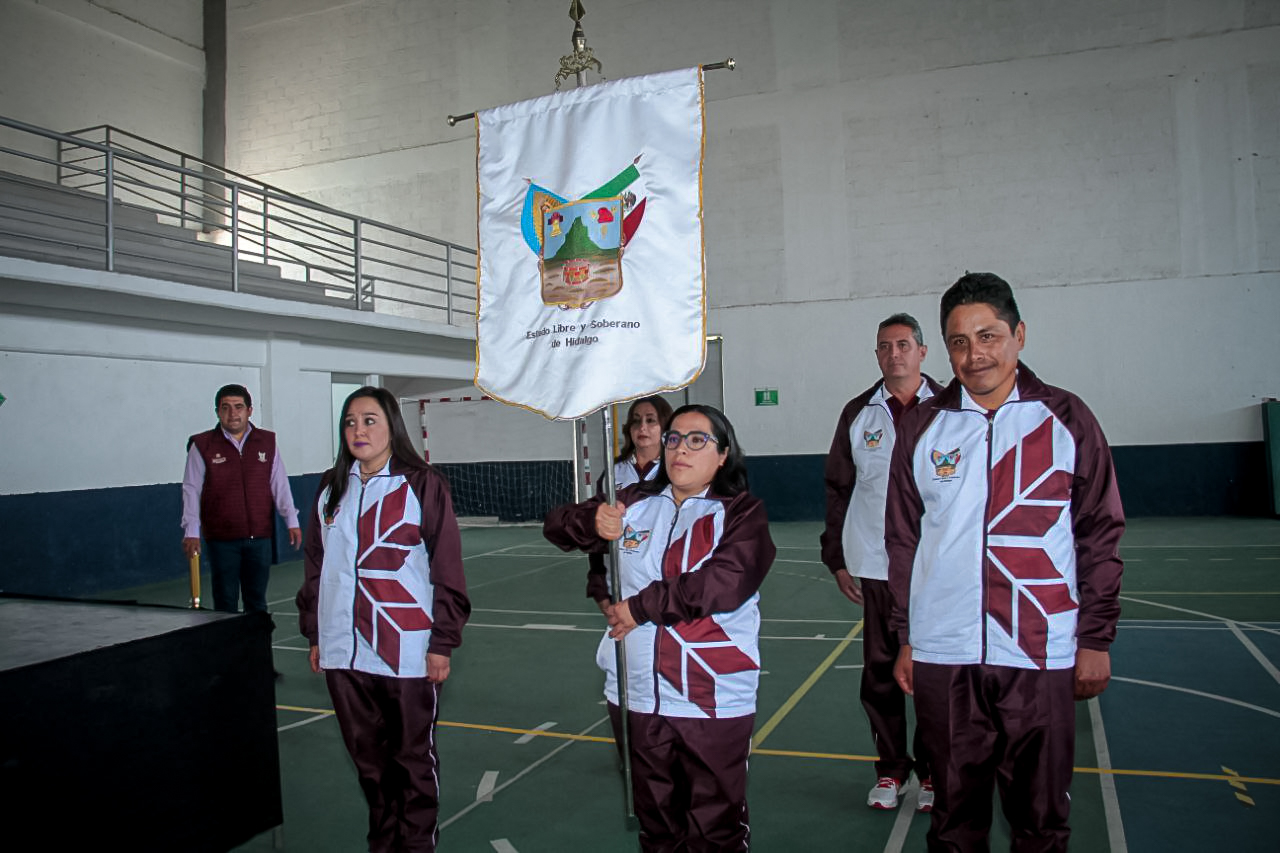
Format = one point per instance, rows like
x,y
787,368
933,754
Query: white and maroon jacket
x,y
384,582
857,478
1003,529
625,473
691,576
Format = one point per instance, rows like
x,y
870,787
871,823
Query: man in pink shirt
x,y
234,475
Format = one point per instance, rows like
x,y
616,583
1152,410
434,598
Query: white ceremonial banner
x,y
591,271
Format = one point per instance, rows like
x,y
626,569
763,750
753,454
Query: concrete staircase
x,y
46,222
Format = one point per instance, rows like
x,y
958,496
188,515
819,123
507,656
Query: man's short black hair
x,y
982,288
232,391
903,319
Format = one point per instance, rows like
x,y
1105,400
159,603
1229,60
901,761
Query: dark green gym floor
x,y
1180,753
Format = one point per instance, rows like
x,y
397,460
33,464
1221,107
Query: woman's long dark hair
x,y
661,406
731,477
402,449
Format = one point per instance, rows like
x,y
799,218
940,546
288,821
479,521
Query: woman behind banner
x,y
383,531
695,549
647,418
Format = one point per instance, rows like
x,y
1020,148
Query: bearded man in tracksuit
x,y
857,480
1002,524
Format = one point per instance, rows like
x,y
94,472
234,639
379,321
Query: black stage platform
x,y
135,728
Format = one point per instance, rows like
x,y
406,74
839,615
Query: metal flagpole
x,y
575,65
620,646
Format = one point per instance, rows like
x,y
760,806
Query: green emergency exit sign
x,y
766,396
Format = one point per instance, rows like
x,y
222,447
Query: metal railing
x,y
315,252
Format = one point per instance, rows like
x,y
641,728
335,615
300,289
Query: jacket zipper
x,y
657,635
986,524
355,584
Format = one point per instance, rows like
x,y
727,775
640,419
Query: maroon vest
x,y
235,502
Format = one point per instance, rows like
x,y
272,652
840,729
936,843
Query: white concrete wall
x,y
106,375
134,64
1118,161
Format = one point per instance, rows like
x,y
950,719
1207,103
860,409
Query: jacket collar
x,y
1027,386
928,388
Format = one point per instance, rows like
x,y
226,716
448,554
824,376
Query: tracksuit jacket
x,y
384,583
1003,529
857,478
625,473
691,576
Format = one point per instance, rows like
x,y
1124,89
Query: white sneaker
x,y
885,794
924,798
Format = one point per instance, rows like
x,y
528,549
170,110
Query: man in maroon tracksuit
x,y
1002,523
857,478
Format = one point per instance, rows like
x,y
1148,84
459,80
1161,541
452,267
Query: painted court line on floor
x,y
1213,616
484,791
1110,801
560,628
308,721
902,821
544,759
1255,651
585,736
1200,693
822,638
1198,593
502,552
537,612
502,845
794,698
1222,547
596,613
528,736
508,577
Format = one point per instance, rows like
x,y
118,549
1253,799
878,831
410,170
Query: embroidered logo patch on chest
x,y
944,464
871,440
633,539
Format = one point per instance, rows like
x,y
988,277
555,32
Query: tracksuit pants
x,y
998,726
690,782
389,727
882,699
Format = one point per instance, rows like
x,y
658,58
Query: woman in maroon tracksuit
x,y
695,549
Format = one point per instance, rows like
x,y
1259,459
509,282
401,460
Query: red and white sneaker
x,y
924,799
885,794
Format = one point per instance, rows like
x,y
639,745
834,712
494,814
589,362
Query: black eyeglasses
x,y
692,440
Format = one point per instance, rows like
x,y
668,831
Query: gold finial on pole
x,y
582,58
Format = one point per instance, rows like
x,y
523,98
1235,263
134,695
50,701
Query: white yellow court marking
x,y
794,698
550,755
530,735
502,845
484,791
584,736
1215,617
1242,792
902,821
1262,659
308,721
1202,694
1107,782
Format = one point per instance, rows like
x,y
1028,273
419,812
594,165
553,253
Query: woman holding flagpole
x,y
382,604
636,462
695,549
